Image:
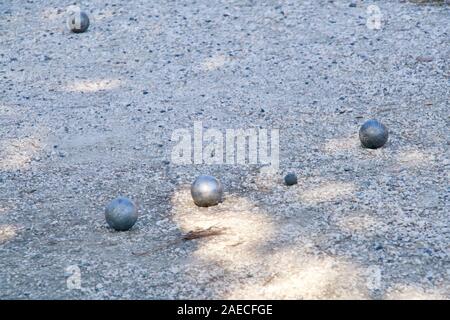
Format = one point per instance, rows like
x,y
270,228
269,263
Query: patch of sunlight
x,y
104,14
245,227
93,85
7,232
295,277
327,192
214,63
411,292
357,222
413,158
51,14
17,153
339,145
284,273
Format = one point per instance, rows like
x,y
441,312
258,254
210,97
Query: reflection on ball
x,y
373,134
78,22
290,179
206,191
121,214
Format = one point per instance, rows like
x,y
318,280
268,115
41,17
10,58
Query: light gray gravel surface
x,y
87,117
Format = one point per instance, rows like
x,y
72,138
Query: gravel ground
x,y
87,117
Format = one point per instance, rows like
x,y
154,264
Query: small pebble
x,y
290,179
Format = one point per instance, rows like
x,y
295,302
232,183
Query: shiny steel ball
x,y
290,179
373,134
78,21
121,214
206,191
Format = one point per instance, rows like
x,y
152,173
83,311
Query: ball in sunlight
x,y
206,191
373,134
121,214
78,21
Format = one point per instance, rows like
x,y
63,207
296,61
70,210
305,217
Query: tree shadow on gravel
x,y
291,242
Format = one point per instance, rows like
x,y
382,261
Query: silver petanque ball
x,y
206,191
373,134
121,214
78,21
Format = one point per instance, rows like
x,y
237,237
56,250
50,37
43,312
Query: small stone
x,y
424,59
290,179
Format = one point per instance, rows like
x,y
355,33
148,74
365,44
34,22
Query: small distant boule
x,y
206,191
290,179
121,214
373,134
78,21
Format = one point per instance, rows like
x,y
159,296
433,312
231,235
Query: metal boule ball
x,y
78,21
121,214
206,191
373,134
290,179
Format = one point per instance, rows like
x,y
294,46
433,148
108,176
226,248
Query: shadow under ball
x,y
206,191
373,134
121,214
78,22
